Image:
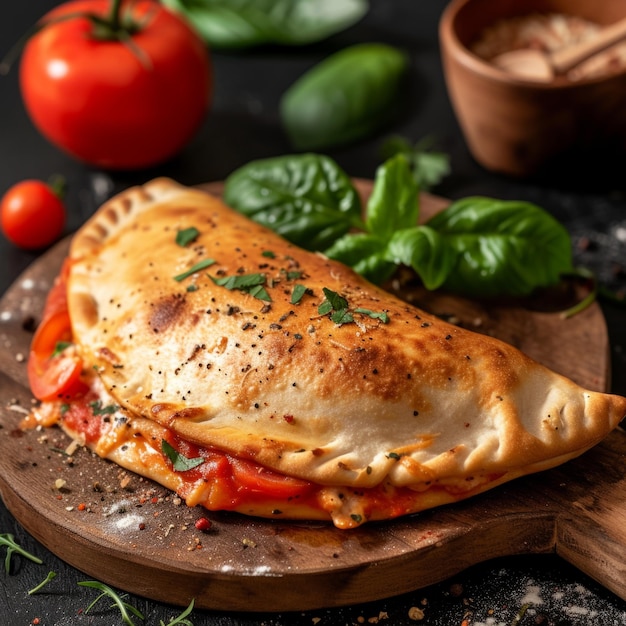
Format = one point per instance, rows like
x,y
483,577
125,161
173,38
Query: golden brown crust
x,y
413,401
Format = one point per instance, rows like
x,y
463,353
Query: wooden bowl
x,y
518,127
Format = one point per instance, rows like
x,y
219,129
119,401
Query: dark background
x,y
586,192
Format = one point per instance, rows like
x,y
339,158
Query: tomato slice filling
x,y
53,368
244,480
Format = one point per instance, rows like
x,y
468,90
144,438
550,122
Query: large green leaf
x,y
502,247
306,198
237,24
346,97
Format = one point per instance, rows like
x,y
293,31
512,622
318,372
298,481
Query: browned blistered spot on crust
x,y
252,449
189,413
108,355
166,311
166,413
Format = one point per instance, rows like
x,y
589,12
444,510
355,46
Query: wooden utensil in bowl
x,y
534,64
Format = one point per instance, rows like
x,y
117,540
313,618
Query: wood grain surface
x,y
137,536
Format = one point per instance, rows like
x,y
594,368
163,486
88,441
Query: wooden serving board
x,y
137,536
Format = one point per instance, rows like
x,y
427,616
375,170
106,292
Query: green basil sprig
x,y
428,166
392,206
306,198
478,246
346,97
239,24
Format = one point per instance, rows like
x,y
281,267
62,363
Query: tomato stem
x,y
58,185
114,15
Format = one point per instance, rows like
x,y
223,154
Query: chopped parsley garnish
x,y
333,302
186,236
293,274
336,306
98,409
180,462
394,455
269,254
201,265
382,316
193,287
60,346
297,293
250,283
339,310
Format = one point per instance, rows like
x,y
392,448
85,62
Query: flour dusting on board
x,y
121,516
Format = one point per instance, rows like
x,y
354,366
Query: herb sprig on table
x,y
477,246
126,610
8,540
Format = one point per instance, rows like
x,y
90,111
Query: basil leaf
x,y
365,253
346,97
393,204
180,462
426,251
308,198
502,247
237,24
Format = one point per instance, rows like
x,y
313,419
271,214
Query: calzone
x,y
200,349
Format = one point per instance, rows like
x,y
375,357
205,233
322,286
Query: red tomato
x,y
33,216
113,103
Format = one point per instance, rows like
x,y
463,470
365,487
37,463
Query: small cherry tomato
x,y
118,84
32,215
